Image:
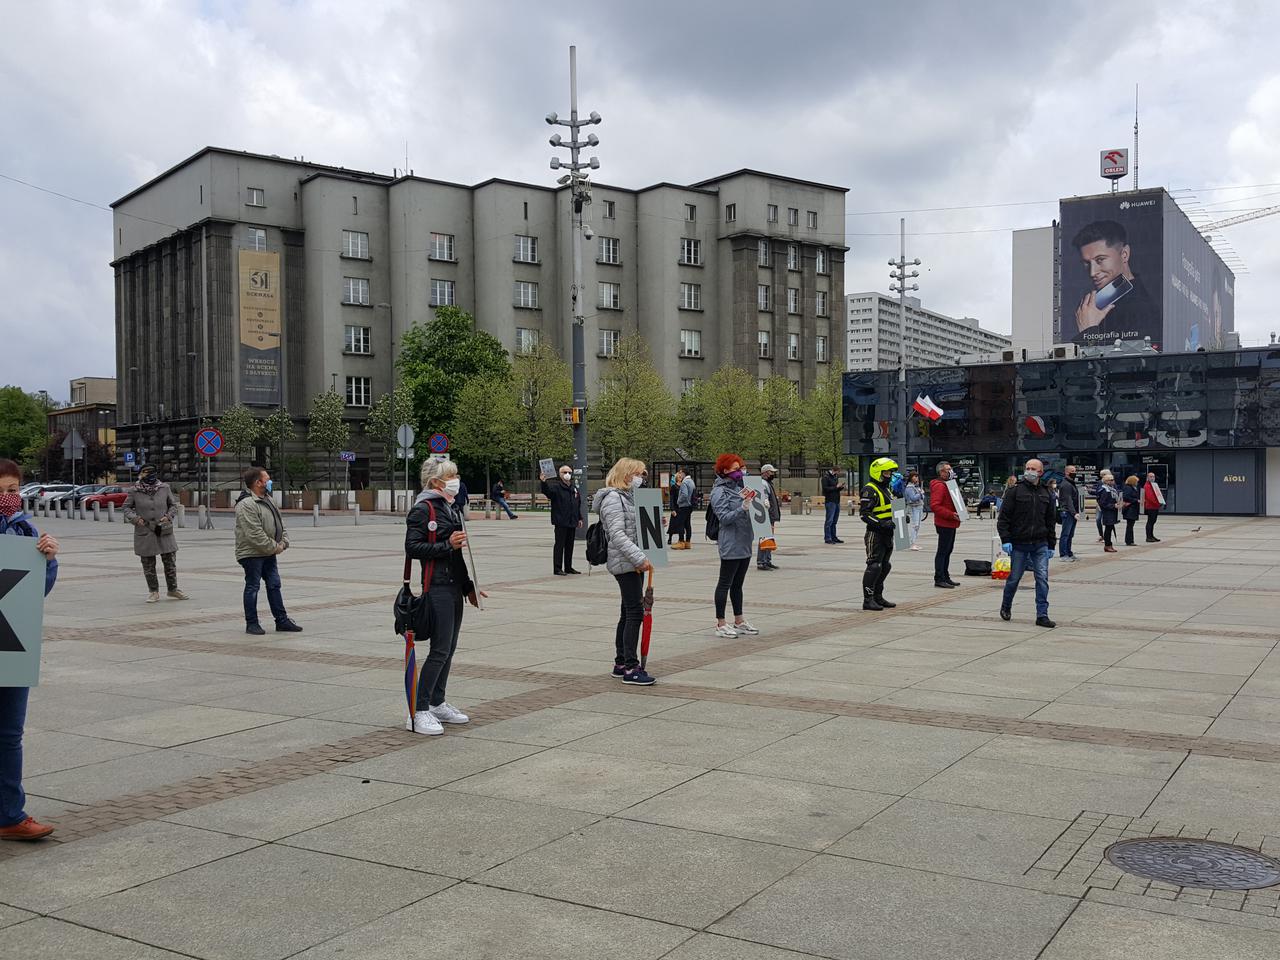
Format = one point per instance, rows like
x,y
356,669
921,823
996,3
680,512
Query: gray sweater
x,y
617,510
736,540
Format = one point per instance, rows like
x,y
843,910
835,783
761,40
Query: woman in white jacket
x,y
616,506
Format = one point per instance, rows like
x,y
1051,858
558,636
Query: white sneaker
x,y
726,631
153,597
915,547
447,714
423,722
745,627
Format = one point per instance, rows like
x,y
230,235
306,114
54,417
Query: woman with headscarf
x,y
151,507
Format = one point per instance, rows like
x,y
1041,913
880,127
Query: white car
x,y
56,491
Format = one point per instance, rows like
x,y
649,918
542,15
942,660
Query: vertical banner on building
x,y
259,327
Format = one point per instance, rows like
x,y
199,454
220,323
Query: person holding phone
x,y
616,505
436,536
731,503
1119,299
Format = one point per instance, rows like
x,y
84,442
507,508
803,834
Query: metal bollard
x,y
315,515
201,513
182,515
96,514
111,512
356,514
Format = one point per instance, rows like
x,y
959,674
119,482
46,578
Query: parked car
x,y
104,496
53,492
78,494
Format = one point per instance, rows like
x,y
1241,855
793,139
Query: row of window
x,y
771,214
765,347
764,299
765,256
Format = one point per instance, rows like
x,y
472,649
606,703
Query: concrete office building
x,y
875,337
266,280
90,410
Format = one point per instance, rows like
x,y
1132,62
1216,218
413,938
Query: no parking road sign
x,y
209,442
438,443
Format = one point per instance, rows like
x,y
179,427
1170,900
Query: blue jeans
x,y
1068,531
13,716
829,525
502,502
256,570
1035,556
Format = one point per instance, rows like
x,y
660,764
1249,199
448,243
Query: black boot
x,y
885,603
869,601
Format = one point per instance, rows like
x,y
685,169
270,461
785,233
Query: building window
x,y
820,260
690,212
610,296
442,246
609,342
355,244
793,300
690,343
811,219
764,253
608,250
793,217
793,257
762,296
526,294
690,296
686,384
691,252
771,213
357,339
442,293
820,303
793,346
762,342
358,391
609,210
526,340
256,197
820,349
257,239
730,212
526,249
355,290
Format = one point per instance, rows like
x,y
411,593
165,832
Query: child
x,y
14,822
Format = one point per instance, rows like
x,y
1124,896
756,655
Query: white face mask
x,y
637,482
566,477
451,487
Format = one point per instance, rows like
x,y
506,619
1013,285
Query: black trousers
x,y
681,524
942,559
1152,516
446,622
1108,532
627,641
565,537
879,543
729,587
1128,531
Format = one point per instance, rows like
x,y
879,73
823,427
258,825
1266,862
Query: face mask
x,y
566,477
268,486
451,487
736,474
1031,476
10,503
637,483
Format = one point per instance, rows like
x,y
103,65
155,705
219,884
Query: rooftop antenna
x,y
1135,136
406,154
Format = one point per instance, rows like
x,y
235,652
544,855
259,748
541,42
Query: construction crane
x,y
1239,218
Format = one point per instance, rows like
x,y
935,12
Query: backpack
x,y
597,543
695,499
713,524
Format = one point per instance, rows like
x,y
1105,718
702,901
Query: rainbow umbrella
x,y
646,631
410,671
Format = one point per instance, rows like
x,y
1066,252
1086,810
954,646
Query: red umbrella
x,y
646,632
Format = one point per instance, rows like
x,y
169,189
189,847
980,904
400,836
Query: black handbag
x,y
413,612
977,568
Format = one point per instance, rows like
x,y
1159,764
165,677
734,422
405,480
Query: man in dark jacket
x,y
946,521
1069,512
831,487
764,558
1029,533
566,518
498,494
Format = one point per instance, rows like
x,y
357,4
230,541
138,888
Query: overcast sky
x,y
1002,111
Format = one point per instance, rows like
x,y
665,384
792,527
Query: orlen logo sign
x,y
1114,163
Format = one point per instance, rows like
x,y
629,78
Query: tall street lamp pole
x,y
579,184
900,277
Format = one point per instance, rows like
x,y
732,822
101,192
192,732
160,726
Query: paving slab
x,y
1103,932
547,728
298,698
852,910
970,703
1221,790
49,751
709,946
673,741
48,939
57,876
138,773
11,915
792,813
625,704
438,760
1122,718
290,808
176,726
265,904
277,739
743,716
676,876
1122,761
470,922
66,709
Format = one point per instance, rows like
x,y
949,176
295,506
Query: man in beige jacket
x,y
260,539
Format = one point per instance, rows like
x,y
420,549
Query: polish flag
x,y
1036,426
927,408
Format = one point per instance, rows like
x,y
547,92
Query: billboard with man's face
x,y
1113,268
1200,290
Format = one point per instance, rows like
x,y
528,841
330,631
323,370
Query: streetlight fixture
x,y
579,185
900,276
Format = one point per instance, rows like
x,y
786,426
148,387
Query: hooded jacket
x,y
446,565
617,510
736,540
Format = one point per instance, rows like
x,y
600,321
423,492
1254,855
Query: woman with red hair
x,y
730,501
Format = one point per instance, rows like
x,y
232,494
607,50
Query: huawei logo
x,y
1124,204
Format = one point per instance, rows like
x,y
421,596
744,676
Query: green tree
x,y
733,410
634,414
486,424
781,422
22,422
542,388
327,430
98,459
385,416
278,430
241,430
439,357
691,421
824,418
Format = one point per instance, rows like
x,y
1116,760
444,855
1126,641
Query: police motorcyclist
x,y
876,510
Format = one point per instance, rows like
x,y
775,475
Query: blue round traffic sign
x,y
439,443
209,442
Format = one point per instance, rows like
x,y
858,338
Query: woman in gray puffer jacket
x,y
615,504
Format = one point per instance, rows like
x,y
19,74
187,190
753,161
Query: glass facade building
x,y
1207,424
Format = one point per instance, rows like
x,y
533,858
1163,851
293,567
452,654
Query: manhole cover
x,y
1195,863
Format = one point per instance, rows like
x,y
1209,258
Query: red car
x,y
104,496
